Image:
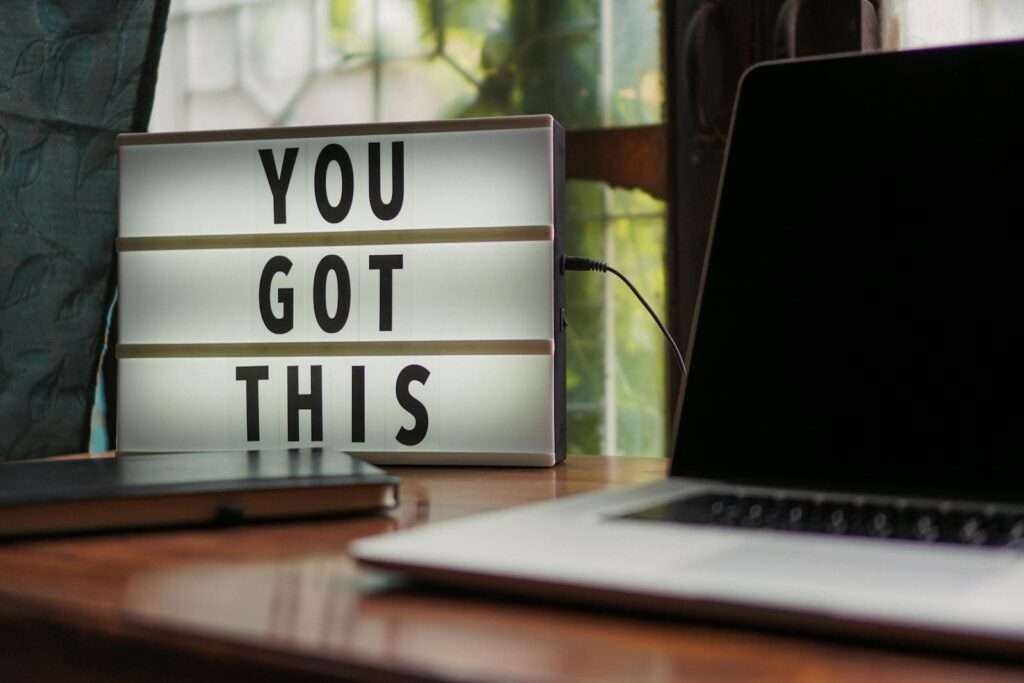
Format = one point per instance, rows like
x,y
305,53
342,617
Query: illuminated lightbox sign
x,y
391,290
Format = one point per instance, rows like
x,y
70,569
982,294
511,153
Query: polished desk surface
x,y
285,602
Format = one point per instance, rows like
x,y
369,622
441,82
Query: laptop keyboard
x,y
977,527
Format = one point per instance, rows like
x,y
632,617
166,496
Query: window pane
x,y
921,23
590,63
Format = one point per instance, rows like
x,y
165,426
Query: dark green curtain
x,y
72,76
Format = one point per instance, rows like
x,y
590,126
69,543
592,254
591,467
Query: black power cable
x,y
580,263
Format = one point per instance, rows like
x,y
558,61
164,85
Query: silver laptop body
x,y
848,449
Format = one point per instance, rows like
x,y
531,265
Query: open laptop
x,y
849,450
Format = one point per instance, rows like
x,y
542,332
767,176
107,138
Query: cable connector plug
x,y
585,264
580,263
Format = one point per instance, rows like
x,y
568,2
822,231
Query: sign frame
x,y
128,244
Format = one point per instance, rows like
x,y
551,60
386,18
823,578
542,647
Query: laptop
x,y
849,445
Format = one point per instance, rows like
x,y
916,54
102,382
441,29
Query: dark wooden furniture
x,y
284,601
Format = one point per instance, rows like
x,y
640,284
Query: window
x,y
591,63
923,23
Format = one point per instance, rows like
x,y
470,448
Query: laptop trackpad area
x,y
851,573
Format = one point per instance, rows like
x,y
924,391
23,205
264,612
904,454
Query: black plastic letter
x,y
333,213
385,264
251,375
329,323
277,264
358,403
409,374
383,211
279,181
313,402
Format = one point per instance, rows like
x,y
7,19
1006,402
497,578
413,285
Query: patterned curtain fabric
x,y
72,76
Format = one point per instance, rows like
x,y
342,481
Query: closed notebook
x,y
163,489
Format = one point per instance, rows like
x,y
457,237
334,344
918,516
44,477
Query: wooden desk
x,y
285,602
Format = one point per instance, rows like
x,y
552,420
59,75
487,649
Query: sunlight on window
x,y
252,63
923,23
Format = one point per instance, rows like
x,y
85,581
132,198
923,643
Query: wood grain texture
x,y
285,602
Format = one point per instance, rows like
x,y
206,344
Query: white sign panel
x,y
391,290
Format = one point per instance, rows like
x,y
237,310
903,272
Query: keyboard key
x,y
879,521
919,524
1007,530
795,515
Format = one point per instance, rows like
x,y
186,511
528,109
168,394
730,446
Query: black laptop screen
x,y
862,321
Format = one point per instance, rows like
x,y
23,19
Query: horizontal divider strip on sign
x,y
500,347
343,130
518,233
